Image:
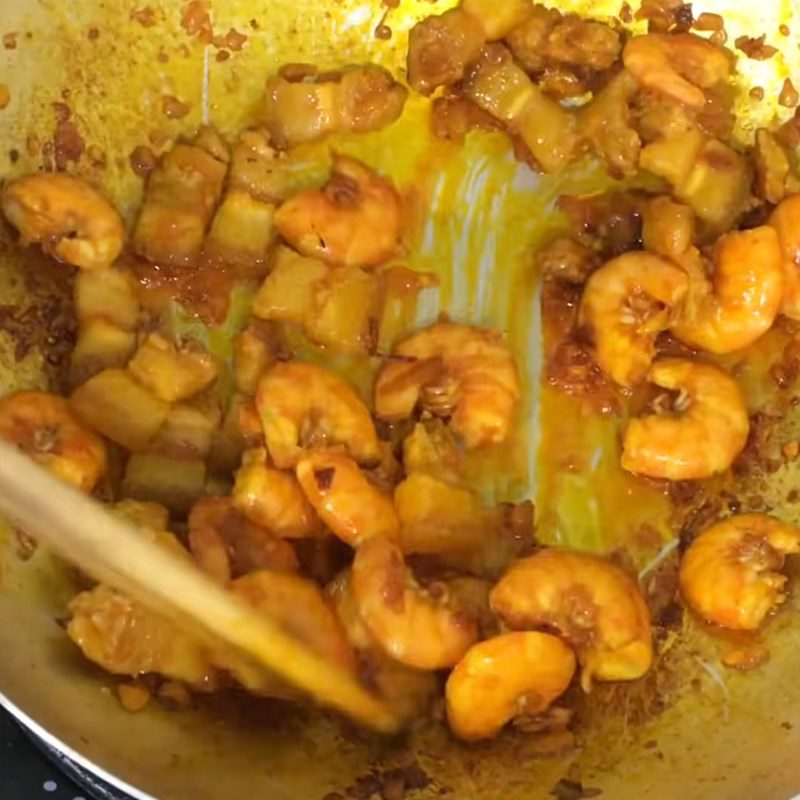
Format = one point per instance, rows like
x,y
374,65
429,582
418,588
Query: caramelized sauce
x,y
202,290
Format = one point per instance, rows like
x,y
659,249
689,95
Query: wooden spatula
x,y
112,551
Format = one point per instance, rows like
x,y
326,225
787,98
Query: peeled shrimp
x,y
305,407
730,574
678,65
743,298
510,675
408,624
786,221
43,426
297,605
67,216
409,691
707,431
598,609
342,598
345,500
457,371
354,220
227,545
625,305
272,498
210,553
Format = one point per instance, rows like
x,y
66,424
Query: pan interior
x,y
692,727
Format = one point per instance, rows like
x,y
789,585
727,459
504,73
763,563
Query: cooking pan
x,y
692,729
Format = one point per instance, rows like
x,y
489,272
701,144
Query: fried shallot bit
x,y
146,17
789,95
142,160
196,20
566,260
173,107
707,21
756,47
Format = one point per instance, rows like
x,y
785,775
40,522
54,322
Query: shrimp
x,y
210,553
595,606
501,678
227,545
707,431
69,218
305,407
272,498
456,371
786,221
409,691
625,305
43,426
345,500
342,599
408,624
678,65
730,574
743,298
354,220
298,606
125,638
